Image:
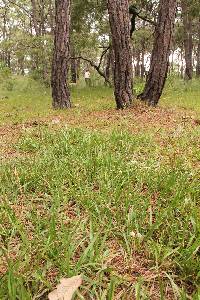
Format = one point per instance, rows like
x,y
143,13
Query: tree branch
x,y
96,67
20,7
102,55
147,20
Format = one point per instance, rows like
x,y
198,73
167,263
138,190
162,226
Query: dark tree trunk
x,y
8,60
137,67
198,52
73,65
5,34
51,19
188,43
61,54
172,62
120,32
143,50
112,65
42,17
78,68
108,65
182,62
21,65
35,17
160,55
73,71
142,64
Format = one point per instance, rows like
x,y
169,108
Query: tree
x,y
188,39
198,51
160,55
61,55
120,33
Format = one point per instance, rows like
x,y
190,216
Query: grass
x,y
29,100
110,195
182,94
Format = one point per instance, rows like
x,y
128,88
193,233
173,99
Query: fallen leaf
x,y
66,288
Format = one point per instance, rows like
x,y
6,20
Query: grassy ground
x,y
29,100
111,195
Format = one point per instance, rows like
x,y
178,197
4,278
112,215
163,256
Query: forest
x,y
99,149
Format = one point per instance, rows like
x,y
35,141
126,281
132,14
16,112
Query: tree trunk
x,y
42,18
137,67
142,63
73,65
120,31
108,65
182,63
51,19
160,55
73,71
35,17
112,65
21,65
188,43
5,34
172,62
78,68
198,52
61,54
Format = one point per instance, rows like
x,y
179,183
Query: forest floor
x,y
113,195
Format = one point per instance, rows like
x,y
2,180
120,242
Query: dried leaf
x,y
66,288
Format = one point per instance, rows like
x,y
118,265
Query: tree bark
x,y
73,65
78,68
160,56
188,42
137,67
143,62
61,54
120,32
182,63
108,65
5,56
42,18
35,17
172,62
51,18
198,52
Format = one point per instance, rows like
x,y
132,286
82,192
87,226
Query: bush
x,y
6,78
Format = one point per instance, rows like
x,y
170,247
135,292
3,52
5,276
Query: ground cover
x,y
94,191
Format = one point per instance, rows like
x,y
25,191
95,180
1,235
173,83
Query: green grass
x,y
182,94
119,207
30,100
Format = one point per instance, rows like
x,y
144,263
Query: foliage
x,y
6,80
